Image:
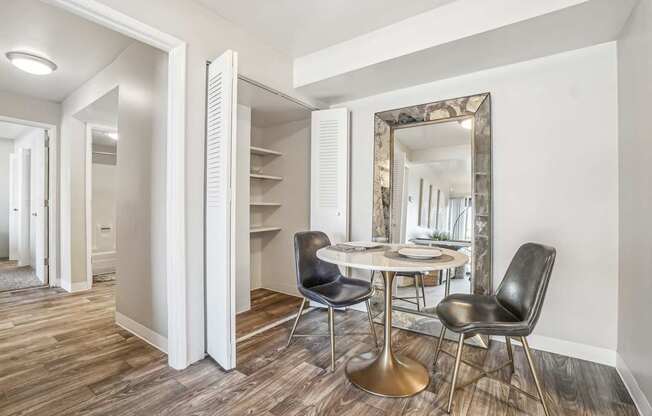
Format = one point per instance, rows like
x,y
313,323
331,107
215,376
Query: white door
x,y
220,216
329,177
24,202
37,207
14,207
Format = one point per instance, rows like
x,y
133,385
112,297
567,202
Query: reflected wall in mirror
x,y
432,187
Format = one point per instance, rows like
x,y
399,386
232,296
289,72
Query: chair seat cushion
x,y
479,314
339,293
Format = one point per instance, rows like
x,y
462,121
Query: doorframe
x,y
51,240
88,196
178,327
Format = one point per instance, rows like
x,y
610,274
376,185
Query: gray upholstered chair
x,y
322,282
512,313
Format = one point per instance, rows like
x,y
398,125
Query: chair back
x,y
312,271
524,286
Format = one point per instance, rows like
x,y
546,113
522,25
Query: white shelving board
x,y
261,151
265,177
265,204
263,229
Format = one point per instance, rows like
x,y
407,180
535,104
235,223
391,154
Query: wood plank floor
x,y
62,354
267,307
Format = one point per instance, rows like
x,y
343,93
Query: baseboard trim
x,y
75,287
570,349
642,403
154,339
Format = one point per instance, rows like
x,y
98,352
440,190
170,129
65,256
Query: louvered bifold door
x,y
220,277
329,184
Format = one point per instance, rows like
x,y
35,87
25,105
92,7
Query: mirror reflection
x,y
432,204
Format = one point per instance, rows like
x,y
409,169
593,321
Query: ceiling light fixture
x,y
30,63
467,124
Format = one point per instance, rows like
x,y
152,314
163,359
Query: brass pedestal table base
x,y
386,374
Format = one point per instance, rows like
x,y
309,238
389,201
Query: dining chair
x,y
322,282
512,312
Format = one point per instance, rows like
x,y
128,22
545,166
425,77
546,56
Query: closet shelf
x,y
260,151
262,229
265,204
268,177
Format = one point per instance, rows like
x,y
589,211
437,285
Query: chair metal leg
x,y
458,360
510,354
416,289
331,328
530,362
296,321
423,290
371,323
442,334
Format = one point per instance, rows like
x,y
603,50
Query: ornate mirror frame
x,y
478,108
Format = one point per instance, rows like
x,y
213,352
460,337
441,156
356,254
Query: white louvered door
x,y
220,221
398,164
329,182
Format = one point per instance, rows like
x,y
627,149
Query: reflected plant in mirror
x,y
432,187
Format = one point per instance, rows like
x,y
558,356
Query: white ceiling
x,y
433,135
298,27
13,131
394,58
269,109
79,47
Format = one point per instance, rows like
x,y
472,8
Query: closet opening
x,y
272,155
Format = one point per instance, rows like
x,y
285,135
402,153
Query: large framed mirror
x,y
432,187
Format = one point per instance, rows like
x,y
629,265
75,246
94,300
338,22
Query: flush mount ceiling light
x,y
467,124
31,63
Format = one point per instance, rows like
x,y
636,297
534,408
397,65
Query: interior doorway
x,y
24,195
101,192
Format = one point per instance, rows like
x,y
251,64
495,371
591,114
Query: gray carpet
x,y
13,277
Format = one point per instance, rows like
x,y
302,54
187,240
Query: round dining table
x,y
387,374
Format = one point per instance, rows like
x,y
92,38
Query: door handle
x,y
15,209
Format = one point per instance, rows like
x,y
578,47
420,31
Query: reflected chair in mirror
x,y
419,288
512,312
323,283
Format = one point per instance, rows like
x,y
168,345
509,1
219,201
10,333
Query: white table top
x,y
376,260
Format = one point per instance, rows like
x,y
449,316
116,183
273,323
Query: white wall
x,y
207,35
28,108
140,72
6,148
555,180
242,246
635,148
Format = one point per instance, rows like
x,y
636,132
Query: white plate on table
x,y
420,253
362,244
